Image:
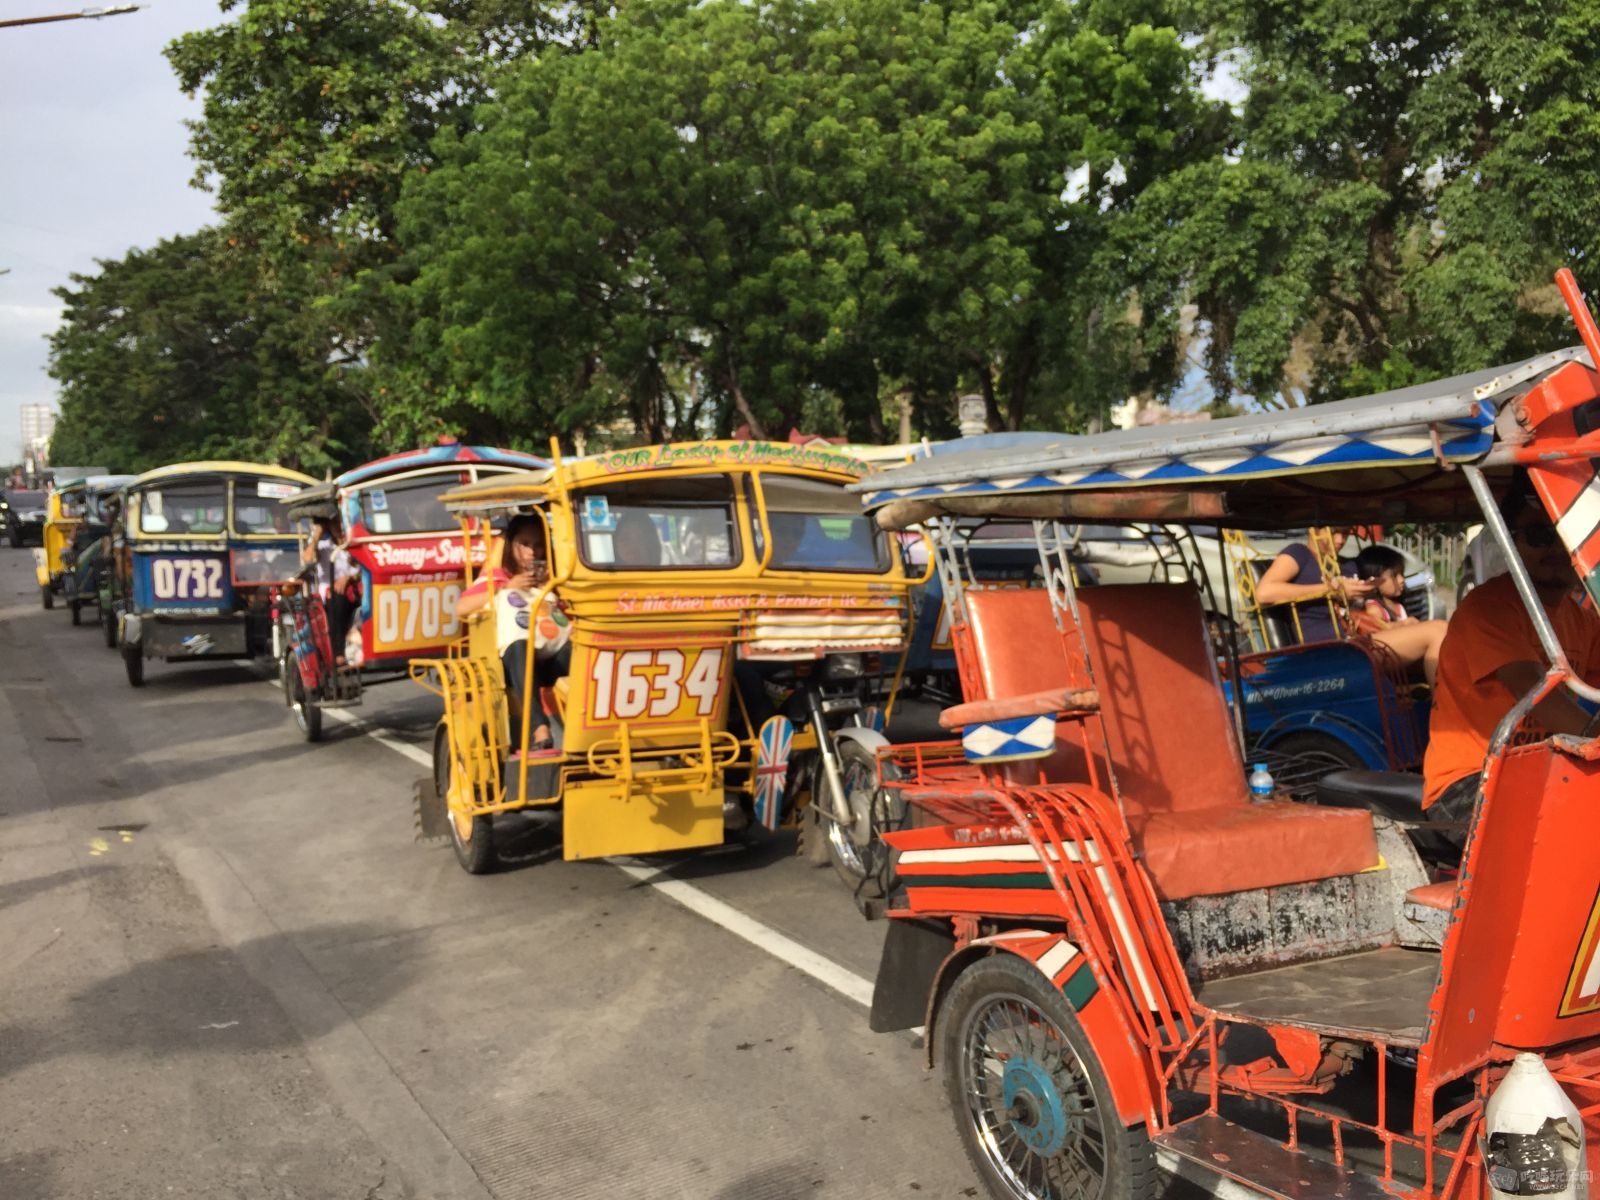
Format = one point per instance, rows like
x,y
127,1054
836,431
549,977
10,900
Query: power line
x,y
93,14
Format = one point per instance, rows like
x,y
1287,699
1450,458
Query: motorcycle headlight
x,y
844,666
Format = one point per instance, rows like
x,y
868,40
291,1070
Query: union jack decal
x,y
772,769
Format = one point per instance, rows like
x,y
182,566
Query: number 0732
x,y
661,684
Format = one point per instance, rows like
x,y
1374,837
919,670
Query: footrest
x,y
544,780
1265,1164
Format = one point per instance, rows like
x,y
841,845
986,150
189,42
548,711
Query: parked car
x,y
25,513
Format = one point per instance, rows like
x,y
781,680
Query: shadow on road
x,y
206,1002
19,890
28,1177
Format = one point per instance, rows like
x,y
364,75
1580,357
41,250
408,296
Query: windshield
x,y
190,508
409,507
651,523
25,499
820,526
256,507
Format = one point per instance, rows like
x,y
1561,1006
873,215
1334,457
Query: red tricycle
x,y
1125,964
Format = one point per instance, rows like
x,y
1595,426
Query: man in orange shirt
x,y
1491,658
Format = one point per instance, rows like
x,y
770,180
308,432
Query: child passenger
x,y
520,574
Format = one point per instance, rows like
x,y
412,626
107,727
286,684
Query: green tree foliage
x,y
1403,181
169,354
744,207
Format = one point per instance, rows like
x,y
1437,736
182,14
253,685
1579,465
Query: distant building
x,y
38,423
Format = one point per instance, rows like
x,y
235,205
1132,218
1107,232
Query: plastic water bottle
x,y
1261,784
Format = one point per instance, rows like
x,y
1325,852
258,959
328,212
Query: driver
x,y
1491,658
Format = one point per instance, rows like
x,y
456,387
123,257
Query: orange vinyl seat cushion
x,y
1434,895
1236,848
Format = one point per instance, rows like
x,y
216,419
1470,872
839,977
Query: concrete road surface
x,y
228,970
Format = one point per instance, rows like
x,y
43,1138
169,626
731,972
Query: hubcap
x,y
1034,1106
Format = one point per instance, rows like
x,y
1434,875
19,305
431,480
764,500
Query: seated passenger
x,y
523,571
636,542
1295,577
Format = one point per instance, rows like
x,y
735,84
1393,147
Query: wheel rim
x,y
856,859
860,780
1032,1103
299,702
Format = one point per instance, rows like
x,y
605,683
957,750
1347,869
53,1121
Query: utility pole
x,y
93,14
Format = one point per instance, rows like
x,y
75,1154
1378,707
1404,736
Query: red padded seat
x,y
1172,743
1434,895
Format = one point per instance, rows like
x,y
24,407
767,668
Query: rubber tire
x,y
1310,742
47,596
15,535
866,881
77,611
307,712
133,663
476,853
108,625
1130,1159
286,669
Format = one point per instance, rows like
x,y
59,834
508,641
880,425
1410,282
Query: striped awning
x,y
1447,420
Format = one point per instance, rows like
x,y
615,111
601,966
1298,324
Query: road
x,y
228,970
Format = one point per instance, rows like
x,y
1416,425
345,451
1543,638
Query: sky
x,y
93,164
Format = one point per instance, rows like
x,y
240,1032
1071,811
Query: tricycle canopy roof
x,y
224,468
100,485
444,452
1381,458
505,492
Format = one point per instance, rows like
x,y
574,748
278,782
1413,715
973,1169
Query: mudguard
x,y
1128,1070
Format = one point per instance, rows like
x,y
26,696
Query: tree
x,y
1403,180
312,116
168,354
761,207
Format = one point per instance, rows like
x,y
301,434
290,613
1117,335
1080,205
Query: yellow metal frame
x,y
617,789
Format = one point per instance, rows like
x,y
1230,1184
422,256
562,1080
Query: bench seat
x,y
1170,737
1236,848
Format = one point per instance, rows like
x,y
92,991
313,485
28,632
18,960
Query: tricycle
x,y
406,565
711,621
1121,961
70,560
198,548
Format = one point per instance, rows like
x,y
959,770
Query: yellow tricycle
x,y
70,559
706,635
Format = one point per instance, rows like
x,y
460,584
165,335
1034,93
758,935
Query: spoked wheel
x,y
307,712
1030,1097
472,838
133,663
867,870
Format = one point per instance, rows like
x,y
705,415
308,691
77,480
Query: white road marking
x,y
827,972
782,947
415,753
